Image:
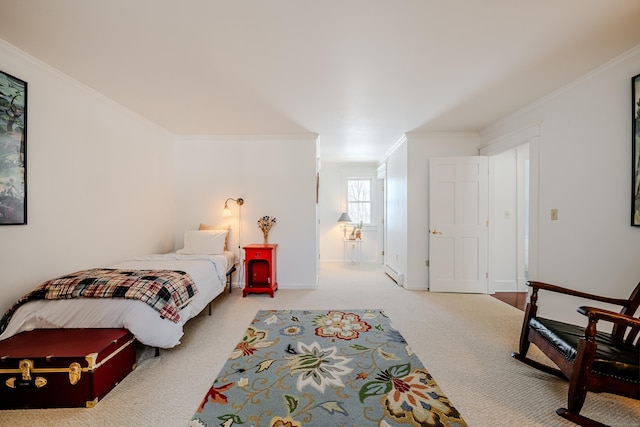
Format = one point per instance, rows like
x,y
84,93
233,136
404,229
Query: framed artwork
x,y
13,150
635,175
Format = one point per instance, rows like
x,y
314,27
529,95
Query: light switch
x,y
554,214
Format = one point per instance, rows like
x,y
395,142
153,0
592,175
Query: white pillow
x,y
203,242
218,227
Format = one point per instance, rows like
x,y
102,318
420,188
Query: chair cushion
x,y
614,358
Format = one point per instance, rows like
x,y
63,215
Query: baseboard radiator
x,y
396,276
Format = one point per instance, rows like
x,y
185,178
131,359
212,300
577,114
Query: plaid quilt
x,y
167,291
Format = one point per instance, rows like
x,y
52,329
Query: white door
x,y
458,224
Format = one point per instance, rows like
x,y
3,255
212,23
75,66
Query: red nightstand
x,y
260,268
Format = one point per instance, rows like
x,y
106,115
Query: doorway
x,y
510,220
333,201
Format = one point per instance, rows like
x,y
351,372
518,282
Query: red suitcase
x,y
55,368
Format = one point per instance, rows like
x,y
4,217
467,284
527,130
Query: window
x,y
359,200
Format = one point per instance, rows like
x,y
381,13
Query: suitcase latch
x,y
75,372
25,367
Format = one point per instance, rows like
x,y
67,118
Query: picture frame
x,y
13,150
635,157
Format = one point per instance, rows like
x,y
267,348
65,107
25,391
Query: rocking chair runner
x,y
591,360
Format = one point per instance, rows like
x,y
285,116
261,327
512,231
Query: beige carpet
x,y
465,342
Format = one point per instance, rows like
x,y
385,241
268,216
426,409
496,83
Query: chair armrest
x,y
595,313
572,292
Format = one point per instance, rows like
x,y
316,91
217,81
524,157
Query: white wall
x,y
332,203
396,245
99,182
582,167
275,175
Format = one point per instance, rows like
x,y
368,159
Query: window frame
x,y
371,201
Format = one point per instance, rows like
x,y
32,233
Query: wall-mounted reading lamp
x,y
226,211
344,221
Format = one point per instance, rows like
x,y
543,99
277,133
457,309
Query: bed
x,y
209,272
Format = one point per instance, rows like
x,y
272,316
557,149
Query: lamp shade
x,y
344,217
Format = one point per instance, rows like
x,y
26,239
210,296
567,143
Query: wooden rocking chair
x,y
591,360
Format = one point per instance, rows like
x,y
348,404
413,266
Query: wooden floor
x,y
516,299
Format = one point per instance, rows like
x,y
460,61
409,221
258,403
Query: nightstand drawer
x,y
258,254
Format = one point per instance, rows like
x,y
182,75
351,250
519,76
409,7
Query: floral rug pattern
x,y
295,368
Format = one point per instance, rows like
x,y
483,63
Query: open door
x,y
458,224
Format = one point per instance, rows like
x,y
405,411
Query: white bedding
x,y
208,273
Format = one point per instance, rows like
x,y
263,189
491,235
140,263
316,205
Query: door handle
x,y
434,231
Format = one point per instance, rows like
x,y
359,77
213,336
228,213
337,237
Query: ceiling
x,y
360,73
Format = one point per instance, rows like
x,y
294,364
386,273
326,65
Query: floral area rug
x,y
297,368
